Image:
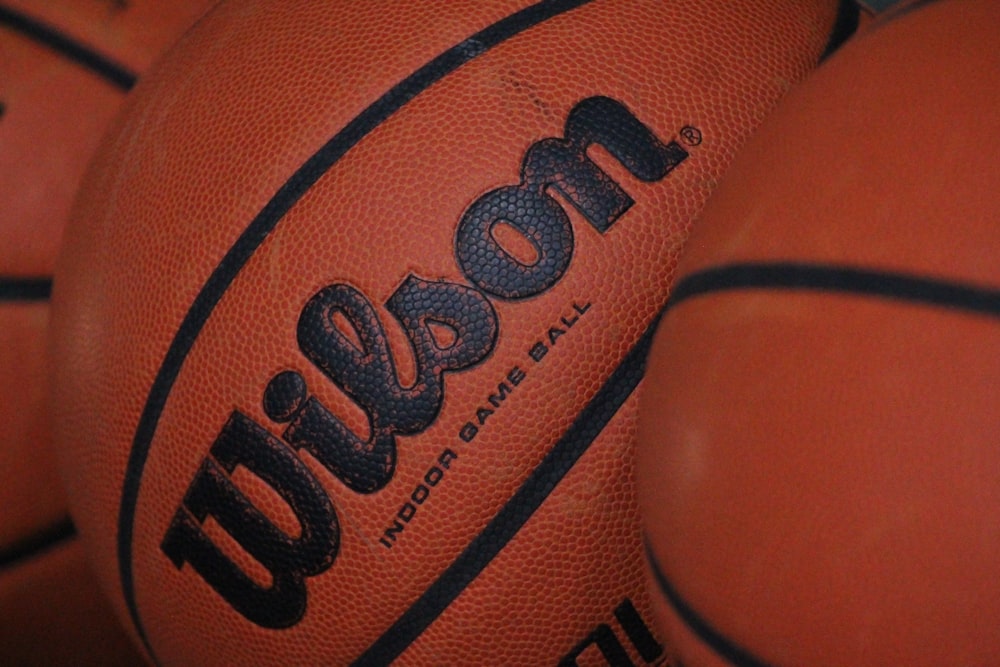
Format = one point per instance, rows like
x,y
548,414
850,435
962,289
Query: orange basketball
x,y
818,460
65,67
354,307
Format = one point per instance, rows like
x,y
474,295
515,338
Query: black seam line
x,y
845,25
841,279
99,64
722,646
517,511
258,230
25,289
44,540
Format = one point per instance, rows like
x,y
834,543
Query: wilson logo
x,y
554,173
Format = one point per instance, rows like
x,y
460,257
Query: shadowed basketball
x,y
817,454
65,68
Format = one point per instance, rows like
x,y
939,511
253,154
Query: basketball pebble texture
x,y
353,310
65,68
818,461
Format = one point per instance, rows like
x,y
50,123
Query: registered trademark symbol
x,y
691,135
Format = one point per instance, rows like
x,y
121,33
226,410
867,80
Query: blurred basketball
x,y
353,310
818,454
64,70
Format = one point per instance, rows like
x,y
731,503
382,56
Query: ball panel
x,y
847,192
41,176
53,614
838,464
121,32
547,570
31,494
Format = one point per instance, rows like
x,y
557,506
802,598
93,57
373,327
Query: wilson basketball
x,y
353,310
818,464
64,70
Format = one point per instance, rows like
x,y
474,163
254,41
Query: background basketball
x,y
353,307
64,70
818,451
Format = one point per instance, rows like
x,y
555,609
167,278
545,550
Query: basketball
x,y
817,455
65,69
354,305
